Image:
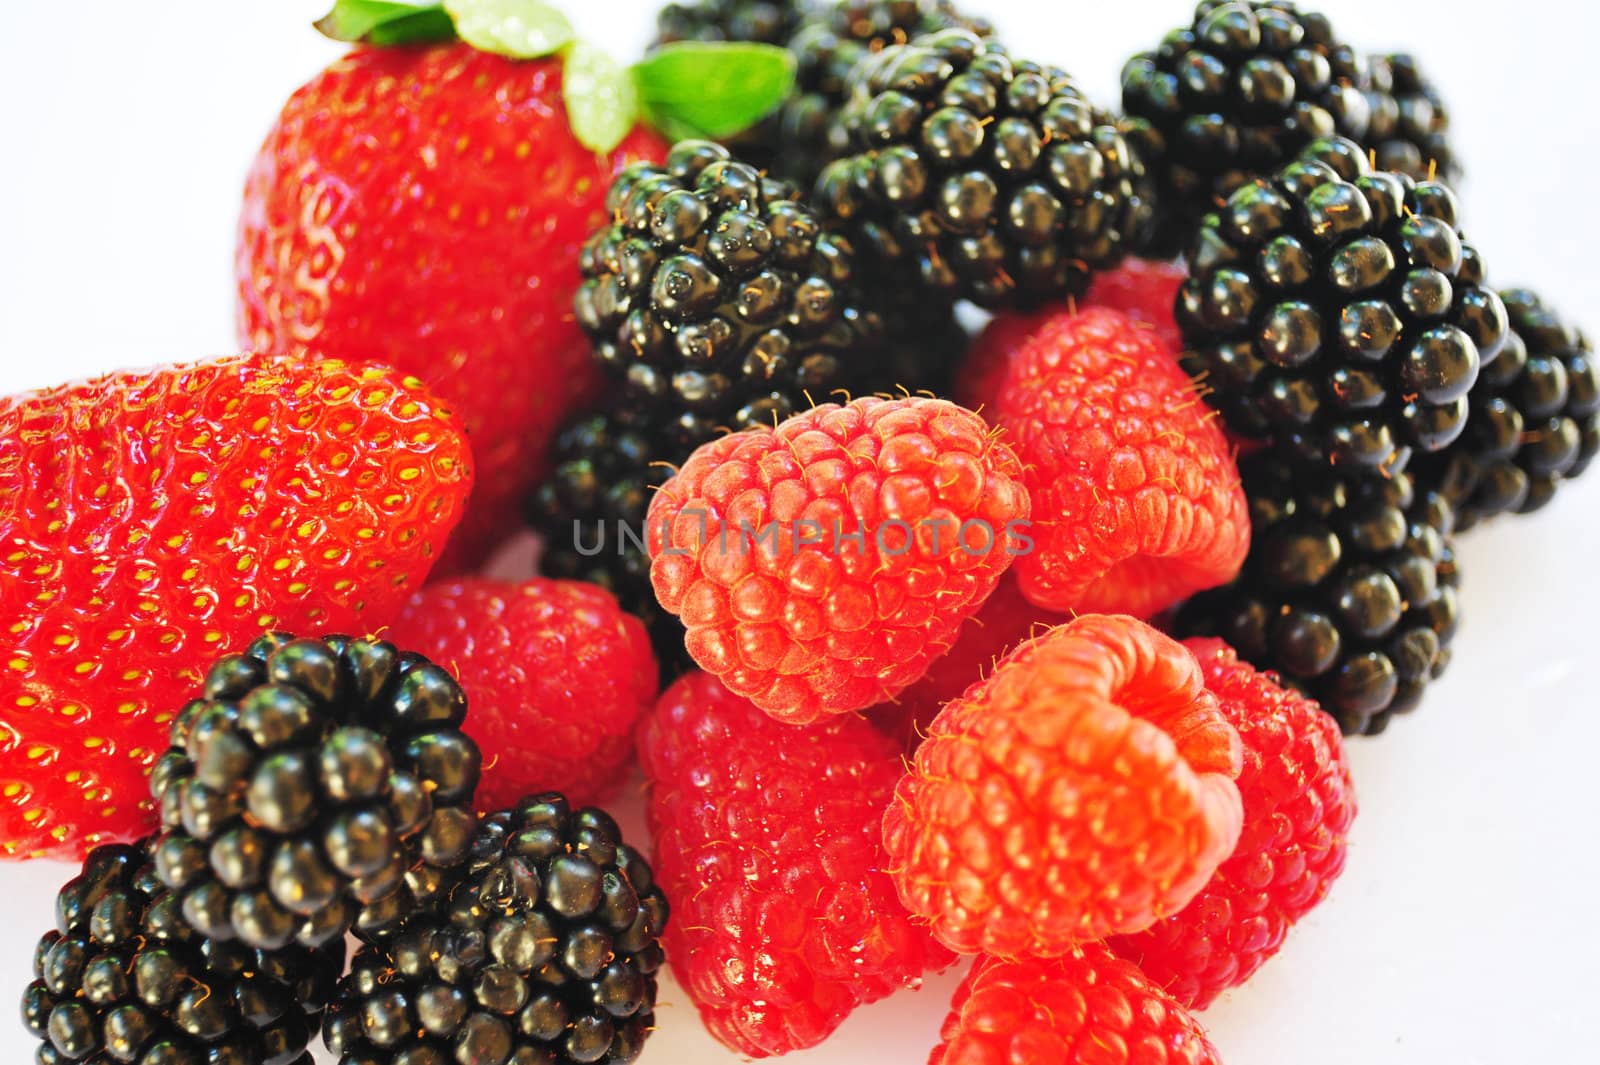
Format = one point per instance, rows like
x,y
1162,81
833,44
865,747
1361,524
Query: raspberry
x,y
557,675
1143,494
982,373
1145,290
821,565
1299,803
1006,619
1088,1006
767,841
1086,788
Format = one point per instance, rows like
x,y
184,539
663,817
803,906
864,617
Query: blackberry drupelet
x,y
591,513
545,951
760,21
1348,593
980,177
718,300
1535,419
1231,97
123,978
1337,311
1409,128
315,784
831,40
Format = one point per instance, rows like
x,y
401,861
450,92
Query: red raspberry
x,y
1146,290
1085,788
1087,1007
982,374
1299,803
151,521
1140,485
870,531
1005,620
767,843
557,673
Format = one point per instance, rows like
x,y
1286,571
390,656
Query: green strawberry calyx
x,y
688,89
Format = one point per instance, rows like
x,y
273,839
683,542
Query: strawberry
x,y
152,521
425,205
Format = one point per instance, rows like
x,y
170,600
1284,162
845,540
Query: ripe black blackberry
x,y
590,512
546,951
123,978
980,177
718,300
831,39
315,784
1409,128
758,21
1336,311
1233,96
1535,419
1349,591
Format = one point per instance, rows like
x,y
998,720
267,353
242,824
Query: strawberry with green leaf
x,y
422,202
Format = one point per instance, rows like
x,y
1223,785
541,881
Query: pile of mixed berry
x,y
1036,648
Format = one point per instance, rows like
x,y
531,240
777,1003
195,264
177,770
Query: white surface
x,y
1463,931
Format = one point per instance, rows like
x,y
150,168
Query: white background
x,y
1463,931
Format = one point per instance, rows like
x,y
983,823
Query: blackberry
x,y
1409,128
591,514
1337,311
123,978
831,40
316,783
545,951
979,177
1535,419
718,300
758,21
1233,96
1349,591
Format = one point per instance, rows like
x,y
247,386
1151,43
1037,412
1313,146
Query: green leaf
x,y
601,102
699,89
521,29
386,22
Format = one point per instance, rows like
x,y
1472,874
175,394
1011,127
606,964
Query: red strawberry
x,y
1004,621
1087,1007
821,565
425,206
767,842
1299,803
1084,788
151,521
557,675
